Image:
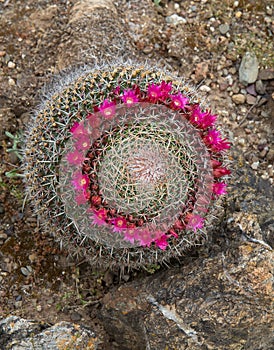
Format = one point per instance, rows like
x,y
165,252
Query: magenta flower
x,y
202,119
78,130
214,140
80,181
221,171
119,224
75,158
195,222
154,93
178,101
162,242
99,217
107,109
129,97
219,188
197,116
83,143
165,89
222,145
208,120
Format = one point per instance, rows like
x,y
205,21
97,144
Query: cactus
x,y
123,164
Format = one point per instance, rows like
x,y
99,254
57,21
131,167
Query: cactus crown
x,y
126,163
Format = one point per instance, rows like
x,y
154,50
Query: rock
x,y
11,65
238,99
223,28
251,100
251,90
175,19
201,71
211,303
266,74
204,88
248,71
260,88
19,334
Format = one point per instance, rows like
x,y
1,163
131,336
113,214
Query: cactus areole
x,y
124,166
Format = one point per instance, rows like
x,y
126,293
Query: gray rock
x,y
211,303
224,28
260,88
19,334
175,19
249,68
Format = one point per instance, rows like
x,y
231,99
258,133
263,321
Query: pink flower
x,y
165,89
78,130
222,145
81,197
221,171
107,109
131,234
197,116
83,143
209,120
202,119
219,188
195,222
214,140
178,101
75,158
144,237
129,97
99,217
119,223
154,93
162,242
80,181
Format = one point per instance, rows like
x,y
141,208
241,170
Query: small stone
x,y
260,88
248,71
204,88
201,71
26,271
3,236
2,53
266,74
255,165
270,155
224,28
241,141
238,14
251,90
175,19
238,99
251,100
11,82
75,317
11,65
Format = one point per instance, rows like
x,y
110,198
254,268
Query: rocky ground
x,y
205,41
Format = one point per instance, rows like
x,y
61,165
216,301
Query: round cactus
x,y
124,165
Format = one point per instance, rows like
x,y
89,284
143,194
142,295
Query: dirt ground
x,y
201,40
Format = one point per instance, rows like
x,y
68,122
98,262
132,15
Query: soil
x,y
37,279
